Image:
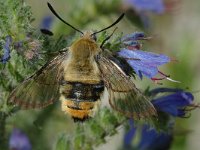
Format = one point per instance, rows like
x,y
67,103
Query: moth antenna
x,y
118,20
54,12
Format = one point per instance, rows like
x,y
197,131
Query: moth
x,y
78,77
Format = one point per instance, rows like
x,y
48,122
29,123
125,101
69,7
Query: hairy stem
x,y
2,130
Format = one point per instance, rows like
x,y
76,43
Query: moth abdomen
x,y
80,99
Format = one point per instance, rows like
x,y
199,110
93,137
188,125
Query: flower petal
x,y
162,90
133,36
156,6
143,68
157,59
128,137
131,43
172,110
181,113
6,48
144,62
172,103
150,139
179,99
46,22
19,141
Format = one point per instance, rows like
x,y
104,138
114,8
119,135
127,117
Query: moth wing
x,y
42,88
123,95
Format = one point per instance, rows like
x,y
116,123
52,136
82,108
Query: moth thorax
x,y
84,48
77,68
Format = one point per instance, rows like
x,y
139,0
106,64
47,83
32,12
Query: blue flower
x,y
46,25
19,141
172,104
131,41
175,103
156,91
46,22
156,6
142,7
150,139
130,134
143,63
134,37
6,48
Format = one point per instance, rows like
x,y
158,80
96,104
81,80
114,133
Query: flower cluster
x,y
143,63
143,7
46,24
175,103
146,7
6,49
150,138
156,6
169,103
172,105
19,141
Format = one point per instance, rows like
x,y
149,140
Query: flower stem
x,y
2,130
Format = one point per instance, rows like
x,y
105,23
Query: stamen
x,y
173,60
186,116
156,79
145,38
193,106
167,77
163,74
173,80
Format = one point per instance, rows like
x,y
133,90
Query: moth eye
x,y
97,57
94,37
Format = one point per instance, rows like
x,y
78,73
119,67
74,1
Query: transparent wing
x,y
123,95
42,88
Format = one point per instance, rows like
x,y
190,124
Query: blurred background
x,y
174,28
